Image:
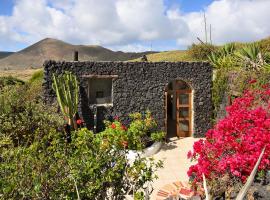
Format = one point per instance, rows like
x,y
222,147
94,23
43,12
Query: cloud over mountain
x,y
130,24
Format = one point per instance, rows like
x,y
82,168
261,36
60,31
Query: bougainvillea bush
x,y
232,147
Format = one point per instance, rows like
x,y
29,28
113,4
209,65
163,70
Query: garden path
x,y
174,157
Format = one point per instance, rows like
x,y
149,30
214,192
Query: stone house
x,y
178,94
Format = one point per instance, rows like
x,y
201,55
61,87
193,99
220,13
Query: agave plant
x,y
252,58
243,192
223,58
228,49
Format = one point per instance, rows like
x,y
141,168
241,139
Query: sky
x,y
132,25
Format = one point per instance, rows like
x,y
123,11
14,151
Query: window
x,y
100,90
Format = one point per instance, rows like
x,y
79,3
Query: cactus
x,y
67,91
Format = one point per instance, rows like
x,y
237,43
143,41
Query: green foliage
x,y
38,76
252,58
228,49
51,169
67,93
223,58
9,80
158,136
220,86
22,113
265,45
242,82
201,51
137,135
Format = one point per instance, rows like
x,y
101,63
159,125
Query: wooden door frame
x,y
189,106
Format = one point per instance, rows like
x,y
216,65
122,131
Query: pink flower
x,y
189,155
234,144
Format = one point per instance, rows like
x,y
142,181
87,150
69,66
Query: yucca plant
x,y
243,192
67,92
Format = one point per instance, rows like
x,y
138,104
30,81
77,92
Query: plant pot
x,y
147,152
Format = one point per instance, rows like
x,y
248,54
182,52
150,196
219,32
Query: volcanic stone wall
x,y
138,87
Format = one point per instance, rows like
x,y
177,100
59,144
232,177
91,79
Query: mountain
x,y
4,54
52,49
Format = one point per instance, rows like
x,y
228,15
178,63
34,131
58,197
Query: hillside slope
x,y
4,54
170,56
52,49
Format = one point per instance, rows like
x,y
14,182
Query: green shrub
x,y
22,113
9,80
38,76
138,134
220,86
201,51
265,45
90,167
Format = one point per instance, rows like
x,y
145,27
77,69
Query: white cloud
x,y
129,24
232,20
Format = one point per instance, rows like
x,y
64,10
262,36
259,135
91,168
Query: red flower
x,y
116,118
123,128
113,126
252,81
79,121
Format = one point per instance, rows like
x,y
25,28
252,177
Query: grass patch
x,y
37,76
170,56
23,74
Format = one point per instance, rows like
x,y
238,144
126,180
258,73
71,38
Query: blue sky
x,y
131,25
189,5
6,7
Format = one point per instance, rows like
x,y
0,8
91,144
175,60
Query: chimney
x,y
76,56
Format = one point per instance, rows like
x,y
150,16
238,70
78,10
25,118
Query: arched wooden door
x,y
180,98
184,112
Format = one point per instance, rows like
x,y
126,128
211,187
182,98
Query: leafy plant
x,y
138,134
219,89
67,92
22,114
91,166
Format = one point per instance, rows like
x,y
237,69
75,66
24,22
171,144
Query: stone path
x,y
174,157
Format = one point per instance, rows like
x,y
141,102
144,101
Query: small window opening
x,y
100,91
